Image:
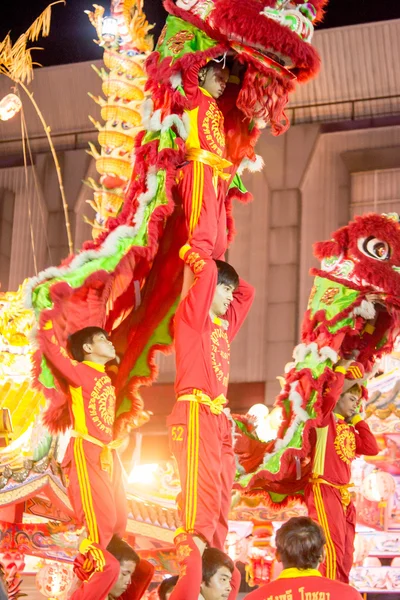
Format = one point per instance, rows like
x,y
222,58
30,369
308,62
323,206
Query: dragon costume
x,y
129,279
353,311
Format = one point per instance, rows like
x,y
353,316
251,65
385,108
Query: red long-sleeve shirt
x,y
203,346
336,443
91,393
206,119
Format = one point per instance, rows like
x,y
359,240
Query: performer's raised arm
x,y
195,306
57,355
243,297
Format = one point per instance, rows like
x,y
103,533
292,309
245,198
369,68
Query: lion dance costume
x,y
129,279
362,259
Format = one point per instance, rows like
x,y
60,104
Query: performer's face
x,y
215,81
219,586
347,405
222,298
101,348
127,569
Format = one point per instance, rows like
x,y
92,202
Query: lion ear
x,y
334,247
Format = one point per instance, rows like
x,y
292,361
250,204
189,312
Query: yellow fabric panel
x,y
193,140
78,410
94,365
320,451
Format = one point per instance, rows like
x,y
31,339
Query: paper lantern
x,y
378,486
53,580
10,105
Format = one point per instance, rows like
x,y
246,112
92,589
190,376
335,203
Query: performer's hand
x,y
375,298
344,362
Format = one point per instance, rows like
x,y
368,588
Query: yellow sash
x,y
212,160
343,489
106,457
216,405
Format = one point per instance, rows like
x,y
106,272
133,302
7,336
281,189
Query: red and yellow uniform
x,y
199,430
336,444
91,466
304,584
202,180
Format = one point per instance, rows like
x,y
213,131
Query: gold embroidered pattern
x,y
329,296
345,443
177,42
312,294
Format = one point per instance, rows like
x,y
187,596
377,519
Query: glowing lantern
x,y
53,580
378,486
109,29
10,105
143,474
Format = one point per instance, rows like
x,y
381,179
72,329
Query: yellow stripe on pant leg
x,y
196,462
200,192
323,519
195,198
86,492
188,503
330,548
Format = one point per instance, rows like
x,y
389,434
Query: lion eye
x,y
374,248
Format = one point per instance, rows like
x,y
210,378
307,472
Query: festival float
x,y
142,135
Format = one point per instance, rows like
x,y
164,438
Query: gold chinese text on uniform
x,y
102,405
345,443
220,349
213,126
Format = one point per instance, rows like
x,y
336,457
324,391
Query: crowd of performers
x,y
213,306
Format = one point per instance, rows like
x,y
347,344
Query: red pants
x,y
202,445
203,199
99,503
325,506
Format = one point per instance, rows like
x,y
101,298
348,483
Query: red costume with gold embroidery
x,y
91,466
200,432
304,584
336,444
202,184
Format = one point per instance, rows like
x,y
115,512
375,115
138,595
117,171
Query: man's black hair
x,y
213,559
299,543
167,586
227,274
121,550
77,340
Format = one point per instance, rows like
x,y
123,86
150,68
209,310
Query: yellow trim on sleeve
x,y
340,369
183,251
356,419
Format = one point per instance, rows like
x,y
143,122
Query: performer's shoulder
x,y
347,591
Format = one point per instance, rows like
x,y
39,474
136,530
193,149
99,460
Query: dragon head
x,y
364,258
277,30
366,253
271,39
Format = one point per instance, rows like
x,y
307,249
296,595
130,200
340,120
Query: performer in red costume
x,y
202,179
342,436
206,322
300,548
91,466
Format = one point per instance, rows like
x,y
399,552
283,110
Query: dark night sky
x,y
71,34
